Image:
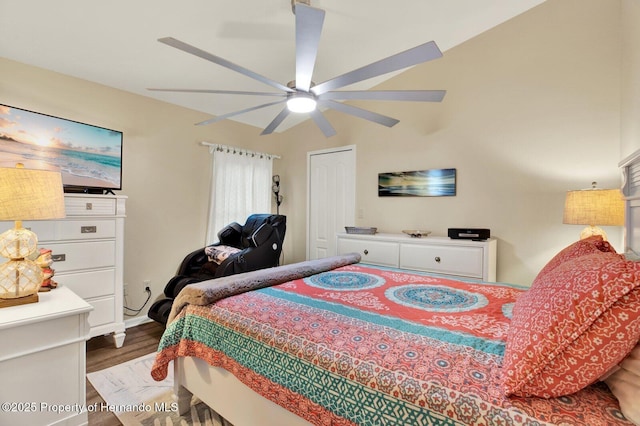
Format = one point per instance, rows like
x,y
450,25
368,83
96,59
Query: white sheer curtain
x,y
240,186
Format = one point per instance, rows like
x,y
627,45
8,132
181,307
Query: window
x,y
240,186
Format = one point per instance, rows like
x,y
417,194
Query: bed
x,y
338,342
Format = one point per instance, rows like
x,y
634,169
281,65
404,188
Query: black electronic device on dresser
x,y
476,234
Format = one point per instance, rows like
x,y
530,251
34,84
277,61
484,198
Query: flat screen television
x,y
88,157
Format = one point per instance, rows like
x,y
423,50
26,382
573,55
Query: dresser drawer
x,y
86,229
89,284
103,311
87,206
452,260
45,230
83,255
82,229
375,252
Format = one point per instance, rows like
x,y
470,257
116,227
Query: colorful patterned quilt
x,y
375,346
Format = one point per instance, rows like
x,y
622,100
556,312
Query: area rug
x,y
136,399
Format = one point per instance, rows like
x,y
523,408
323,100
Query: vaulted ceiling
x,y
114,43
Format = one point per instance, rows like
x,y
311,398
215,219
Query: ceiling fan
x,y
302,95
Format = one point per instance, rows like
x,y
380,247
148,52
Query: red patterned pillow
x,y
592,245
573,324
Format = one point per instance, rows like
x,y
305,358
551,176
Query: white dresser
x,y
441,255
88,255
42,361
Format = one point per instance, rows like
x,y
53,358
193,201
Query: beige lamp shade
x,y
594,207
27,194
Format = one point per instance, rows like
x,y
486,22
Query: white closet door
x,y
331,198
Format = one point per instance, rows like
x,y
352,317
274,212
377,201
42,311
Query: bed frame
x,y
237,403
227,395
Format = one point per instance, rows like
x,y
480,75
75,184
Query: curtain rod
x,y
219,147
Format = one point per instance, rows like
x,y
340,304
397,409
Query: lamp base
x,y
591,230
16,301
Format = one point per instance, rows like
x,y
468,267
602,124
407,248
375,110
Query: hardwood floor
x,y
101,353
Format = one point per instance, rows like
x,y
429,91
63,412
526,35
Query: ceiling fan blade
x,y
387,95
362,113
170,41
276,122
221,92
423,53
231,114
309,22
322,122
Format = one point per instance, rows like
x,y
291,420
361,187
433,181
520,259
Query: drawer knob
x,y
59,257
437,259
366,252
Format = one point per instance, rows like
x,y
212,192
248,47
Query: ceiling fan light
x,y
301,102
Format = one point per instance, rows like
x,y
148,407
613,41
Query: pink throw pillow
x,y
575,323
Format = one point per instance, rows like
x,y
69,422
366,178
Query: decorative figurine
x,y
44,261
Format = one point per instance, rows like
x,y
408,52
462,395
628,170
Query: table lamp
x,y
25,194
594,207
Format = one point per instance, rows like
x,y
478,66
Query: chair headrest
x,y
256,220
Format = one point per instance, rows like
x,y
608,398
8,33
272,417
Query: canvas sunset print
x,y
424,183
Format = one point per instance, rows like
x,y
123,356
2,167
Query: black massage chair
x,y
255,245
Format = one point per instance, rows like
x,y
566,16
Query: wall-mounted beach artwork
x,y
423,183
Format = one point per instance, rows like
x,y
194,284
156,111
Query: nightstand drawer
x,y
49,333
458,260
42,359
82,256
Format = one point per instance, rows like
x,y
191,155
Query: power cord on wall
x,y
137,311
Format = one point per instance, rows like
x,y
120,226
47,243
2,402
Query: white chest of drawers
x,y
87,248
42,361
442,255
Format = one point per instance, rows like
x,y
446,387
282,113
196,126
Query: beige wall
x,y
533,109
166,173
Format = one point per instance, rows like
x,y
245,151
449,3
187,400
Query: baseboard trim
x,y
132,322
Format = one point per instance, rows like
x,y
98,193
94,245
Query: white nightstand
x,y
42,360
